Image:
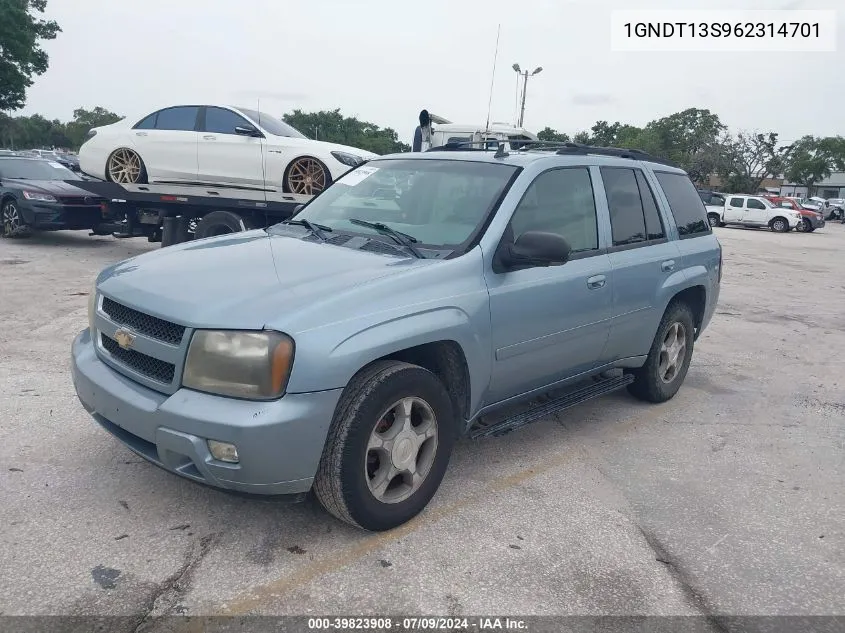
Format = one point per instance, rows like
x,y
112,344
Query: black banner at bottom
x,y
414,624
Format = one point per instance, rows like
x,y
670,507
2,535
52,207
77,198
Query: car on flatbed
x,y
344,351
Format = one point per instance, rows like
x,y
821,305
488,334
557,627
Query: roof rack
x,y
618,152
467,146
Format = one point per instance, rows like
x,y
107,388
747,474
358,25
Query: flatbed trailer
x,y
176,213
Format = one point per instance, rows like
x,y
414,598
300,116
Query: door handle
x,y
668,266
140,133
597,281
209,137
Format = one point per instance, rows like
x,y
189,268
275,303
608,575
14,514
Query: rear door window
x,y
178,118
634,217
685,204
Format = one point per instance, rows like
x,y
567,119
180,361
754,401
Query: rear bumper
x,y
279,443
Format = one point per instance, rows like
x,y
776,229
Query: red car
x,y
811,219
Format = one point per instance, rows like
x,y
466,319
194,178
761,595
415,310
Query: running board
x,y
545,409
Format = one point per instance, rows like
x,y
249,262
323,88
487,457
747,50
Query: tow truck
x,y
172,214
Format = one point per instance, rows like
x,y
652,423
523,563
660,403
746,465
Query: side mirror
x,y
298,208
247,130
534,249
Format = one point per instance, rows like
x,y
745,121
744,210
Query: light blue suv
x,y
345,350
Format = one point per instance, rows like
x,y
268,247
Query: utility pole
x,y
525,75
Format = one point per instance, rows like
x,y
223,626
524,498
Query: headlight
x,y
42,197
251,365
92,306
348,159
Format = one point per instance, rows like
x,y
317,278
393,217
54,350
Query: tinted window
x,y
737,202
34,169
459,139
272,125
148,123
755,204
686,207
222,121
181,118
653,223
560,201
626,208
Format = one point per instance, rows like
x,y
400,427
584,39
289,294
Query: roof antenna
x,y
493,79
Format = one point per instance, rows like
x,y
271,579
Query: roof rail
x,y
618,152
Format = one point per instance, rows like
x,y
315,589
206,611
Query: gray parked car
x,y
345,350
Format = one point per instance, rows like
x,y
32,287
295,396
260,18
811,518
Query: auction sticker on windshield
x,y
358,175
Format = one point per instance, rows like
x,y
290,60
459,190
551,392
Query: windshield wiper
x,y
404,239
316,229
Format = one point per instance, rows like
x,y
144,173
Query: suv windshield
x,y
439,203
35,169
272,124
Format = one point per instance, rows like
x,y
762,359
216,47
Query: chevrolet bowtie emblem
x,y
124,338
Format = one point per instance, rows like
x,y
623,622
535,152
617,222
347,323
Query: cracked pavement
x,y
726,500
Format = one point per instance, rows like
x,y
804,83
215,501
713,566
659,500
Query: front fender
x,y
343,358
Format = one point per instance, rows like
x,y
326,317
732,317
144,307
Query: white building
x,y
831,187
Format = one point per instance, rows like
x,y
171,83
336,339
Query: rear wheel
x,y
714,220
125,167
659,379
388,446
221,223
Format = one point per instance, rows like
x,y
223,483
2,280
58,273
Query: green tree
x,y
745,160
21,55
334,127
548,134
689,138
84,120
582,137
811,159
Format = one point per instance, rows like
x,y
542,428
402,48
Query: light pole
x,y
525,75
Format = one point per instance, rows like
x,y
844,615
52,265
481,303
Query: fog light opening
x,y
223,451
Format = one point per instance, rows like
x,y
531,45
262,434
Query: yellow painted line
x,y
258,596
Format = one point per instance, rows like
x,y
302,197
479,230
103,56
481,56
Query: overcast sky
x,y
384,60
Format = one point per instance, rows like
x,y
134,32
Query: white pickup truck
x,y
756,211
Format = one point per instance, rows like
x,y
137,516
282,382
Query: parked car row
x,y
65,159
778,213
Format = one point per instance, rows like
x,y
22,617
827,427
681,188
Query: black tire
x,y
341,482
779,225
714,220
648,385
13,224
809,230
221,223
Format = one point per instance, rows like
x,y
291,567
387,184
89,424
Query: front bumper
x,y
279,443
53,216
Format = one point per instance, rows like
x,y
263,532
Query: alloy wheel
x,y
401,450
125,167
672,352
11,219
306,176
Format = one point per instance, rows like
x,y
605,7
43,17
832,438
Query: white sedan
x,y
215,145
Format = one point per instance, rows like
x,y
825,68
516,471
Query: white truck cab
x,y
756,211
444,131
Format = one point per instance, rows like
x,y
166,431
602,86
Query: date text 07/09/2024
x,y
417,624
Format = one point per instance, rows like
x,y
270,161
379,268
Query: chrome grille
x,y
147,366
145,324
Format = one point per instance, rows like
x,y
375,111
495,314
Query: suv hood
x,y
53,187
243,280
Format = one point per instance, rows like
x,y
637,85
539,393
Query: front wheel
x,y
780,225
306,176
659,379
388,446
13,222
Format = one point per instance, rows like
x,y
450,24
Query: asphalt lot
x,y
726,500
